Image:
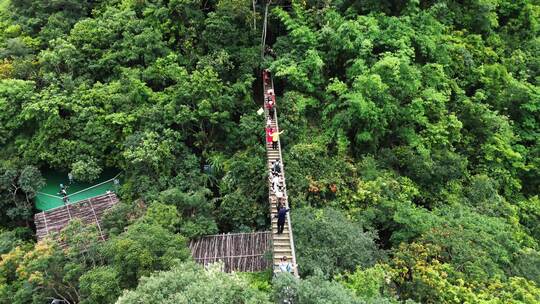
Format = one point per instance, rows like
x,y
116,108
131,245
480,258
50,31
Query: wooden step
x,y
278,256
282,243
284,250
277,259
280,238
279,252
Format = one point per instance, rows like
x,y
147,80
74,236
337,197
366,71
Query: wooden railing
x,y
247,252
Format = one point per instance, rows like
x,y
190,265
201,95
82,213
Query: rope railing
x,y
80,191
94,186
238,251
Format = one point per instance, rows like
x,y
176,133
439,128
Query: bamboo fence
x,y
89,211
245,252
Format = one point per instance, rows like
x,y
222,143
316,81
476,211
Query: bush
x,y
116,219
100,285
325,239
86,170
313,290
191,283
142,249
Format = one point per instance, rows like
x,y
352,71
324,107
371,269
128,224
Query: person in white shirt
x,y
285,266
275,183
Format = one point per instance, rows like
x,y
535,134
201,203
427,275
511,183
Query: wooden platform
x,y
89,211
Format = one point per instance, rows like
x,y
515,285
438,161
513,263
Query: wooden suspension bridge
x,y
239,252
282,243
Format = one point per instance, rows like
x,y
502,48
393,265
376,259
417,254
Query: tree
x,y
118,217
188,283
163,215
195,210
100,285
142,249
18,186
370,283
313,289
9,239
327,241
420,275
85,170
38,273
529,214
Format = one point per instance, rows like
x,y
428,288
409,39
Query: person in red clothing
x,y
269,132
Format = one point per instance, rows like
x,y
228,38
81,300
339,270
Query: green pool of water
x,y
49,198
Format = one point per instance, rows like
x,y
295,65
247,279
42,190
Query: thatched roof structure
x,y
89,211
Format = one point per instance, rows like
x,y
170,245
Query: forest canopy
x,y
412,146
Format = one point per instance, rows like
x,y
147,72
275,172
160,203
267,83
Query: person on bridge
x,y
269,103
269,132
275,182
279,194
266,76
284,265
282,213
276,167
275,139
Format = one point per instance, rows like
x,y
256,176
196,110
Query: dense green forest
x,y
412,147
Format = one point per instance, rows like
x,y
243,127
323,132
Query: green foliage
x,y
259,280
316,178
87,270
36,272
100,285
327,241
10,239
314,289
194,210
529,216
85,170
527,265
144,248
420,275
238,213
483,246
189,283
162,215
370,284
18,186
117,218
417,121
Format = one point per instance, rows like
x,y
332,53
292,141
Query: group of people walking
x,y
278,188
272,135
276,172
